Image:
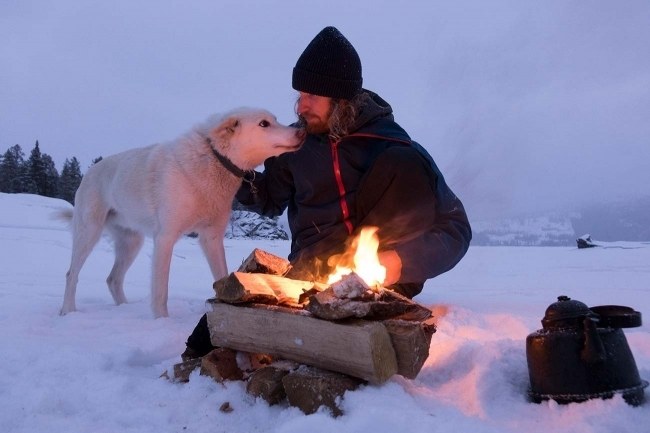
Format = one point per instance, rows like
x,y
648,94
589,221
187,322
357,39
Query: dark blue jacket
x,y
318,186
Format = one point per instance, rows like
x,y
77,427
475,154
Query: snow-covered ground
x,y
98,370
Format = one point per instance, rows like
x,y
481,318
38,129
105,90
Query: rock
x,y
226,407
585,242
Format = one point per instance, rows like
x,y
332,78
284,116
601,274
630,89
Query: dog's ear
x,y
227,127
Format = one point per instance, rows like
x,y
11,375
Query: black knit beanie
x,y
329,66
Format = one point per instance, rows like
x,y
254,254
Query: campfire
x,y
364,262
347,331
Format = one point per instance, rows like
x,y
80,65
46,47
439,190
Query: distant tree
x,y
36,171
51,177
70,179
96,160
12,170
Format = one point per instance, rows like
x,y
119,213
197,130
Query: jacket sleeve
x,y
405,195
437,250
267,193
444,244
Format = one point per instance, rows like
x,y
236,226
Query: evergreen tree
x,y
96,160
70,179
51,177
12,169
36,170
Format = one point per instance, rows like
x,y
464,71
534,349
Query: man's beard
x,y
314,124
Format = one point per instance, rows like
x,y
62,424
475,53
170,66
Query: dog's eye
x,y
265,123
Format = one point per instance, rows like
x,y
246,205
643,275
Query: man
x,y
357,168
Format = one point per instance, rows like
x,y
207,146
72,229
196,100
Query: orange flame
x,y
365,261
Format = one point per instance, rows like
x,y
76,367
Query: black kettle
x,y
581,353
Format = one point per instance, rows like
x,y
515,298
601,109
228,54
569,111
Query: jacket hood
x,y
376,117
376,108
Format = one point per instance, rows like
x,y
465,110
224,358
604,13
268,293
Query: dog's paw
x,y
159,312
65,310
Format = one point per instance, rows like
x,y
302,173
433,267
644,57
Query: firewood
x,y
250,362
221,364
310,388
361,349
267,384
326,305
349,286
262,262
241,287
411,341
183,369
412,310
384,305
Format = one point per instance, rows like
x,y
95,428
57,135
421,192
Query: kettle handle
x,y
617,316
593,350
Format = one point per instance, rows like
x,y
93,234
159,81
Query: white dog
x,y
168,190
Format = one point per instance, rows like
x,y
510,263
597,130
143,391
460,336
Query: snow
x,y
98,369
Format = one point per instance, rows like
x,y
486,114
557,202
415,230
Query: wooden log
x,y
349,286
183,369
310,388
411,341
221,364
361,349
376,306
326,305
241,287
267,384
262,262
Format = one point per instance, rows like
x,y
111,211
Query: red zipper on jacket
x,y
337,173
339,183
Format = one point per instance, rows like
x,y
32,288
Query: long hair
x,y
344,115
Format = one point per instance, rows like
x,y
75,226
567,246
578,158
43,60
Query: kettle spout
x,y
593,350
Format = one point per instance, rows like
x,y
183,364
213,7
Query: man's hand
x,y
393,264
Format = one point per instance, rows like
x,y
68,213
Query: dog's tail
x,y
64,215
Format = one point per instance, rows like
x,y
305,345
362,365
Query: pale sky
x,y
526,106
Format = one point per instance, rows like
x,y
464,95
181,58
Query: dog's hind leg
x,y
86,231
127,245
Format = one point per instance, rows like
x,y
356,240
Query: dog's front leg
x,y
163,244
212,244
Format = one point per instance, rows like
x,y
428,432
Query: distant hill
x,y
609,222
551,230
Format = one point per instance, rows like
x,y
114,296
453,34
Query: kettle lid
x,y
566,313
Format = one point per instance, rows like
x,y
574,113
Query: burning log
x,y
350,286
261,262
241,287
385,304
361,349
